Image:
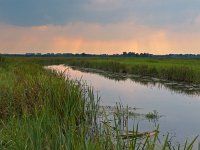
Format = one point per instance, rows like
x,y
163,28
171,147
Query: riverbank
x,y
40,109
173,69
178,87
179,70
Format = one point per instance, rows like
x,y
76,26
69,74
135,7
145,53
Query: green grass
x,y
40,109
173,69
180,70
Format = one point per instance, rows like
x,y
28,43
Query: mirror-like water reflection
x,y
179,104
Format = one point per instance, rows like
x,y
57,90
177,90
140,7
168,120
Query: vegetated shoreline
x,y
40,109
185,70
185,73
178,87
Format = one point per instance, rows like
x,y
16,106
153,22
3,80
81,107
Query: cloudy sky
x,y
100,26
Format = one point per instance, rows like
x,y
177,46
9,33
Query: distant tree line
x,y
124,54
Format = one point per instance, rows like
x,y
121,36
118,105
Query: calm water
x,y
181,112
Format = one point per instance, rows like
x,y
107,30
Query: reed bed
x,y
174,69
41,109
170,69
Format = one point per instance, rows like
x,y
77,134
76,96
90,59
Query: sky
x,y
100,26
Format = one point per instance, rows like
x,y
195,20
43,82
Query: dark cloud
x,y
150,12
39,12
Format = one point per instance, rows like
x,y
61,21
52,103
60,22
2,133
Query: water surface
x,y
180,110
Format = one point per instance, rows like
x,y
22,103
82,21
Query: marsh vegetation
x,y
42,109
174,69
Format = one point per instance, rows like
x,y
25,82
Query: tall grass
x,y
41,109
170,71
174,69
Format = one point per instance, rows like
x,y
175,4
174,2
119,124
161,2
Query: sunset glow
x,y
100,34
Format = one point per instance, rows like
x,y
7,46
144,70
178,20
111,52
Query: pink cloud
x,y
95,38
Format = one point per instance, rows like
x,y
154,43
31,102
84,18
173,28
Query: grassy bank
x,y
40,109
173,69
180,70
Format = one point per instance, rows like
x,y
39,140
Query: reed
x,y
173,69
188,71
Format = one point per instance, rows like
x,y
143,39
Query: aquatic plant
x,y
152,115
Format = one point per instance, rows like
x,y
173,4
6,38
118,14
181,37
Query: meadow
x,y
42,109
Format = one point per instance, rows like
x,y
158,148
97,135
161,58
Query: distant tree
x,y
131,54
124,53
83,54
